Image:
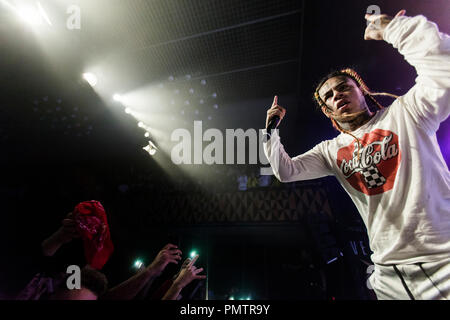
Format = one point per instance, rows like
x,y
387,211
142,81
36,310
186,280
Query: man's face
x,y
342,95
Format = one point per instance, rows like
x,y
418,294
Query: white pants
x,y
421,281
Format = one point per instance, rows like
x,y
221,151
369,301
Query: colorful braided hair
x,y
352,74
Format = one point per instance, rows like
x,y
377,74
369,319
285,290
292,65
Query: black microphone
x,y
273,123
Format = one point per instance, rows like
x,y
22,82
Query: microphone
x,y
273,123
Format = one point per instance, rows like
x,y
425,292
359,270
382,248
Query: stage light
x,y
90,78
138,263
231,298
147,135
141,124
117,97
214,95
127,110
44,14
151,148
30,15
193,254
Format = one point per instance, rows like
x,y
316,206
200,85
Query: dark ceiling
x,y
246,52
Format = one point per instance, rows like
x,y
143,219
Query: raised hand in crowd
x,y
169,254
185,276
129,289
66,233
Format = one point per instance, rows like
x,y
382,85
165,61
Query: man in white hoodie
x,y
389,162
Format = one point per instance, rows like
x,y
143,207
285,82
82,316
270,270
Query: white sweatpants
x,y
425,281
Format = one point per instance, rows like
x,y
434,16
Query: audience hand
x,y
169,254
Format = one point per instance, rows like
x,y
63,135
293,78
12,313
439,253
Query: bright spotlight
x,y
43,13
117,97
127,110
147,135
138,263
141,124
193,253
90,78
30,15
151,148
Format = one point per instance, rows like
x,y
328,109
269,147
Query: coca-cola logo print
x,y
378,164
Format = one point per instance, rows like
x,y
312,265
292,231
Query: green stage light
x,y
193,254
138,263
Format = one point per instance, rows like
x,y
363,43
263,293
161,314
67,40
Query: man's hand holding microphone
x,y
275,114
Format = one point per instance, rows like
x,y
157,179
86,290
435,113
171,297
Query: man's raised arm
x,y
428,50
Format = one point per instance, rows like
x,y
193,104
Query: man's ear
x,y
326,112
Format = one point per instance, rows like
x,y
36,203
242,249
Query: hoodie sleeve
x,y
309,165
428,51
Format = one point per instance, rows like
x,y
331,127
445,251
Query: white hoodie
x,y
401,186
